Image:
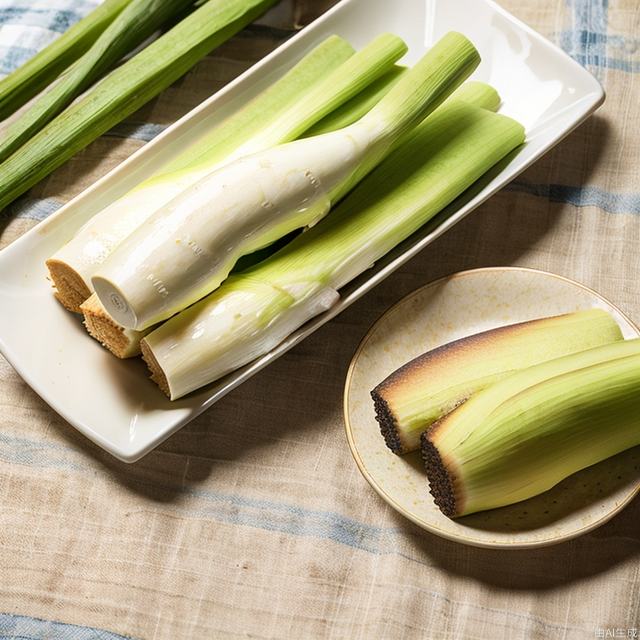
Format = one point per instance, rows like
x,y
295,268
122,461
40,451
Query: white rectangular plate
x,y
112,402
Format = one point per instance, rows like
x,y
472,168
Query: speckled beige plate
x,y
447,309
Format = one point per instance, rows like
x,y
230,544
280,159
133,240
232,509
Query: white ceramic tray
x,y
112,402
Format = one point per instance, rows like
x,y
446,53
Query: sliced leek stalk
x,y
254,311
42,69
431,385
188,247
326,77
527,432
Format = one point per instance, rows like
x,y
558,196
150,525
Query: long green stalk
x,y
420,392
358,106
125,90
28,80
524,434
139,20
253,311
343,84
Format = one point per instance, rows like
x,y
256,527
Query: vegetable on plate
x,y
524,434
329,75
433,384
255,310
189,246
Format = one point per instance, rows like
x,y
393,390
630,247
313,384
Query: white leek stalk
x,y
323,80
125,343
254,311
188,247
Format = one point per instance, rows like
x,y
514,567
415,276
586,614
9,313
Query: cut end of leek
x,y
531,430
431,385
157,374
123,343
70,289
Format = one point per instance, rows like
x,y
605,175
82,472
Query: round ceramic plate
x,y
445,310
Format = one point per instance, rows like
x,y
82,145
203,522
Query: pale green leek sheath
x,y
326,77
254,311
28,80
125,90
189,246
429,386
524,434
139,20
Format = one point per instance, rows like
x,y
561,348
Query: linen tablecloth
x,y
253,521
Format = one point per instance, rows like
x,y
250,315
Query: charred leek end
x,y
321,74
187,249
423,390
225,330
526,433
38,72
123,343
138,21
125,90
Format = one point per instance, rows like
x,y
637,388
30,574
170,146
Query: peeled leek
x,y
139,20
524,434
254,311
39,71
431,385
326,77
189,246
124,91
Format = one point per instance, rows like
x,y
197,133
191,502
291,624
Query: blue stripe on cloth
x,y
31,209
584,41
13,57
597,59
610,202
16,627
58,20
581,196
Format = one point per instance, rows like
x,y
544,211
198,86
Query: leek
x,y
427,387
28,80
124,91
524,434
125,343
357,107
254,311
319,83
186,250
139,20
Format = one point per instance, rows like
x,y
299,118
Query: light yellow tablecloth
x,y
253,521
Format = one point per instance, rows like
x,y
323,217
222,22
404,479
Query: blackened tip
x,y
440,484
387,422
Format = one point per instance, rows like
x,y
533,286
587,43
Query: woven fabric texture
x,y
253,521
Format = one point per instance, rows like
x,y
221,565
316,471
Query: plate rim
x,y
409,515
